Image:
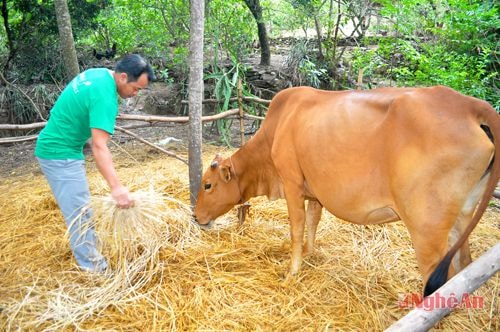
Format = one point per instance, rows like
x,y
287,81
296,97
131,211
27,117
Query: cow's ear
x,y
216,161
225,173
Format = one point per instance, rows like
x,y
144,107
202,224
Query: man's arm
x,y
104,163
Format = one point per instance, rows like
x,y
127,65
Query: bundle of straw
x,y
131,240
125,236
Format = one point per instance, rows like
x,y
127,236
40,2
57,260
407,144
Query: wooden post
x,y
240,106
451,294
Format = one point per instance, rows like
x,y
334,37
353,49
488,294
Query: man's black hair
x,y
134,66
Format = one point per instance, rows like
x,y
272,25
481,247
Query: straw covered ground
x,y
231,278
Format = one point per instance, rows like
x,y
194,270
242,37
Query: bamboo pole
x,y
6,140
359,84
452,294
145,118
245,98
178,119
151,119
30,126
253,117
171,154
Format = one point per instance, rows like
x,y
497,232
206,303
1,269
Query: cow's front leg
x,y
293,185
313,216
297,215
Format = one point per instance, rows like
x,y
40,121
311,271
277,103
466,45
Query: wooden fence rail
x,y
154,119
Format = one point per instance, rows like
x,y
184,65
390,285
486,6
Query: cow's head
x,y
219,191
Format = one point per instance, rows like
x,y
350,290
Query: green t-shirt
x,y
90,100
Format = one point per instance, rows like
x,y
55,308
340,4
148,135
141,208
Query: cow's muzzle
x,y
207,225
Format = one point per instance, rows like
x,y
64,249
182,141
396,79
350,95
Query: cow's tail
x,y
491,125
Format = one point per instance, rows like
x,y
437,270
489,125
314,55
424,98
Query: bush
x,y
451,43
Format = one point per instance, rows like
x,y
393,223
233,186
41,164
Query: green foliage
x,y
31,52
302,14
145,26
410,17
370,61
281,16
460,71
469,26
306,5
312,75
230,29
226,87
450,43
48,64
160,29
303,68
163,76
20,105
83,14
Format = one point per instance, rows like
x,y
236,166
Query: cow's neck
x,y
255,170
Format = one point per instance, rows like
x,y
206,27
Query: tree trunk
x,y
195,97
319,35
66,37
265,51
8,32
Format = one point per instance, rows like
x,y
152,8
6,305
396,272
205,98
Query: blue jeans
x,y
68,182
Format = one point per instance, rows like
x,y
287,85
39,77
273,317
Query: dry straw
x,y
232,278
131,240
131,235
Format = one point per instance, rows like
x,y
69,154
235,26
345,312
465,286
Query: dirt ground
x,y
17,159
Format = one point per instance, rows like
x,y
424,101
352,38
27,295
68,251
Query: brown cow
x,y
421,155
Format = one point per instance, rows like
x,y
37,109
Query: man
x,y
87,108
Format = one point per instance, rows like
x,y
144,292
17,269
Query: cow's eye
x,y
208,186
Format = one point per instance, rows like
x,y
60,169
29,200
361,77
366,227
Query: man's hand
x,y
104,163
122,197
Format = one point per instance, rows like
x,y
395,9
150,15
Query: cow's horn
x,y
214,164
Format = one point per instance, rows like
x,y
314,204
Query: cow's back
x,y
361,152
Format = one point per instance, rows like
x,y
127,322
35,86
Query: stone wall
x,y
266,81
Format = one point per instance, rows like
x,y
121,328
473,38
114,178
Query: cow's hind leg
x,y
313,215
452,264
437,228
463,258
430,241
429,215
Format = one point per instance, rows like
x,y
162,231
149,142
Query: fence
x,y
238,113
